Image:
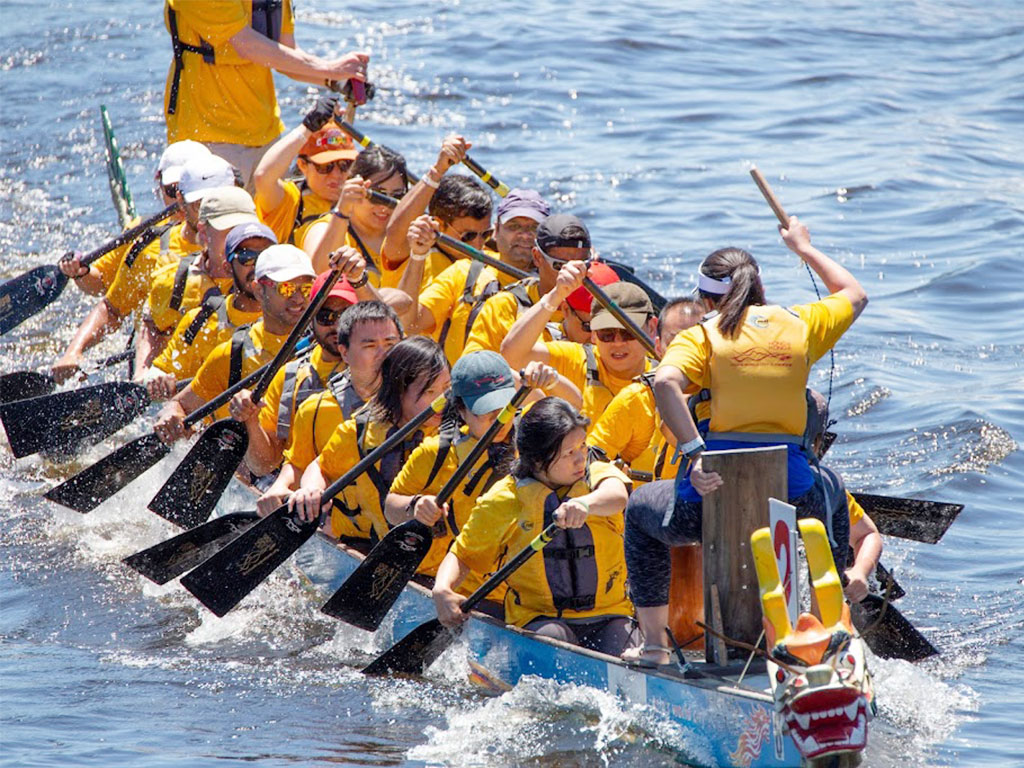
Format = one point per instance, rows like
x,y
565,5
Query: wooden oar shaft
x,y
129,234
466,466
540,541
769,195
616,311
210,406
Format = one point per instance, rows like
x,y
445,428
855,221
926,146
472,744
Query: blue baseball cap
x,y
483,381
523,202
243,232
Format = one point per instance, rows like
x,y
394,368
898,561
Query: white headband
x,y
715,285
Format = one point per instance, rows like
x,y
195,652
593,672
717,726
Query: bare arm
x,y
836,277
278,493
867,546
98,323
421,235
272,168
149,343
295,62
325,236
521,344
450,574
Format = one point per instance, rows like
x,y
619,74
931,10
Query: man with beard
x,y
215,320
284,282
448,306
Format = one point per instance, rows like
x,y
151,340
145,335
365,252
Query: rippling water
x,y
895,130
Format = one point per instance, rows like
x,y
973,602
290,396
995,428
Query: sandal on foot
x,y
635,656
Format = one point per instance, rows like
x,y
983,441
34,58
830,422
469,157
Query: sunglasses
x,y
288,288
244,256
584,324
326,169
397,194
608,335
328,316
170,190
469,236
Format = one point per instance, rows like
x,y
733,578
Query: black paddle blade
x,y
23,296
883,575
193,489
893,637
61,421
22,385
173,557
368,594
416,651
222,581
914,519
94,485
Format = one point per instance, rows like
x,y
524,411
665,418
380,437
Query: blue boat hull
x,y
733,725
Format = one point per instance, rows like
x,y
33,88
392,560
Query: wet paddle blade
x,y
222,581
883,576
416,651
197,483
27,294
61,421
368,594
173,557
94,485
21,385
914,519
893,637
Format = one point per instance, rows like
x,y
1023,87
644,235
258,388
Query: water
x,y
895,130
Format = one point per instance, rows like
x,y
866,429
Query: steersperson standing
x,y
755,358
220,87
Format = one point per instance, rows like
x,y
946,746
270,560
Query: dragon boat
x,y
807,704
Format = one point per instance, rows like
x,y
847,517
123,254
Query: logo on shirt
x,y
776,353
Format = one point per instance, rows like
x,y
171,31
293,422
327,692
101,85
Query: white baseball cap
x,y
176,156
283,262
202,173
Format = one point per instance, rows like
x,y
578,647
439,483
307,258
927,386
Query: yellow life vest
x,y
580,574
759,377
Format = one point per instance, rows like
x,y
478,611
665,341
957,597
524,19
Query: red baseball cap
x,y
342,289
601,274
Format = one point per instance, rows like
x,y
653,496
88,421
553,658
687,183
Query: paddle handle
x,y
210,406
290,343
609,304
129,234
769,195
365,142
504,417
375,455
539,542
485,176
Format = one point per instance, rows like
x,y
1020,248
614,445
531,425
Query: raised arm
x,y
521,343
836,277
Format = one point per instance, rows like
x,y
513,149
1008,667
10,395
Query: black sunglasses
x,y
469,236
326,169
244,255
395,194
584,324
328,316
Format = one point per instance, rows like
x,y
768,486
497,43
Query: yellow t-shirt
x,y
500,526
183,359
272,399
412,480
497,316
443,298
232,100
127,291
570,360
212,377
108,264
777,386
362,498
282,218
856,510
197,285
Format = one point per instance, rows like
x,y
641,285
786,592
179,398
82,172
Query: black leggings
x,y
649,536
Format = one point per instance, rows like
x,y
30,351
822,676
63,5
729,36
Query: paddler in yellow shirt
x,y
559,238
178,288
451,302
573,590
482,384
629,429
97,278
216,319
284,281
355,220
366,332
413,375
220,87
600,368
325,155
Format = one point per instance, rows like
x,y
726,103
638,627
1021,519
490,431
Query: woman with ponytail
x,y
754,357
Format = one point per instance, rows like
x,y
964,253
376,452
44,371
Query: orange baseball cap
x,y
327,144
